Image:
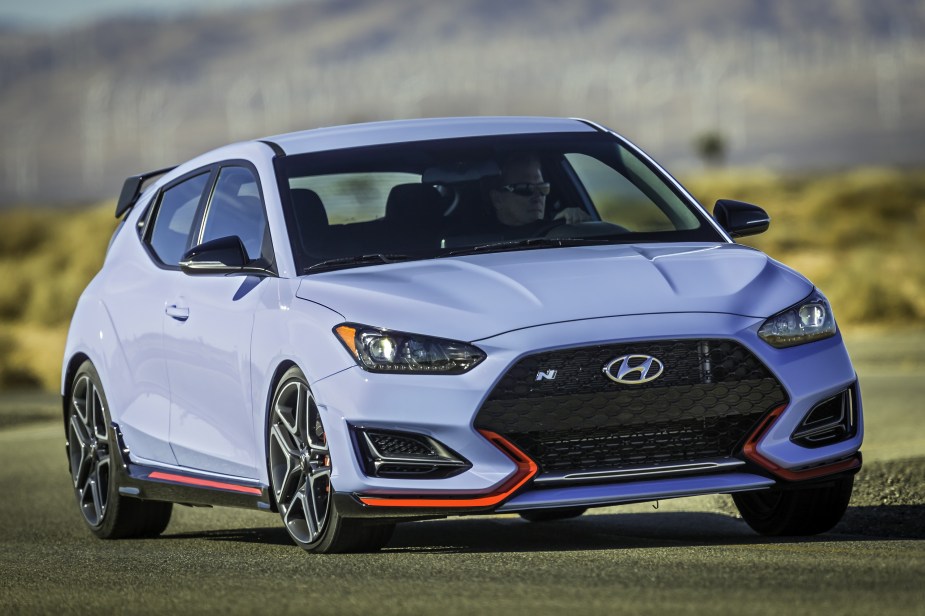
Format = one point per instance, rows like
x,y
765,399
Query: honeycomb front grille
x,y
563,411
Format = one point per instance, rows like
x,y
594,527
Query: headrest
x,y
308,209
413,203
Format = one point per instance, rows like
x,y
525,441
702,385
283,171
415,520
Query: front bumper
x,y
445,408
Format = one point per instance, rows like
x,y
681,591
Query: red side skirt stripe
x,y
205,483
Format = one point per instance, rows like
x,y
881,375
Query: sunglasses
x,y
526,189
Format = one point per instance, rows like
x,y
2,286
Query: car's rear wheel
x,y
300,467
806,511
550,515
91,447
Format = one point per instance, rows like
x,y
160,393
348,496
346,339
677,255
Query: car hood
x,y
477,296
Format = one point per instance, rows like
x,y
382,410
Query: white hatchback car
x,y
361,325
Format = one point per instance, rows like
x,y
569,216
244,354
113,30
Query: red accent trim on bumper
x,y
205,483
526,469
751,452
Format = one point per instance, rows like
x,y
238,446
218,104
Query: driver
x,y
519,197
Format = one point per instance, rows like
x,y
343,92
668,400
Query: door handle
x,y
180,313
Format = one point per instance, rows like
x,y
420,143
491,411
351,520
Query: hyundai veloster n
x,y
362,325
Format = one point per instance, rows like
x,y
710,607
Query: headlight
x,y
808,321
379,350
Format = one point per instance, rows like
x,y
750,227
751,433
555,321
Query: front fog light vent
x,y
831,421
398,446
406,455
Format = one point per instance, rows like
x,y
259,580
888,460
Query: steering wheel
x,y
589,228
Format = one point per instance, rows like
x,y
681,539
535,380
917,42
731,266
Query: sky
x,y
65,13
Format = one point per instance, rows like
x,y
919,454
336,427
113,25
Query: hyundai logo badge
x,y
634,369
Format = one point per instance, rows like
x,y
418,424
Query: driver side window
x,y
235,208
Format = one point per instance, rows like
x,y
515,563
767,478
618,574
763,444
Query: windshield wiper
x,y
356,261
528,243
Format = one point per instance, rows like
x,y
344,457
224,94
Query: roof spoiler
x,y
132,187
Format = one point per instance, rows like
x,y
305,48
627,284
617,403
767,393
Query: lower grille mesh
x,y
703,405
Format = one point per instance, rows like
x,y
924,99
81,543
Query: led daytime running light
x,y
380,350
808,321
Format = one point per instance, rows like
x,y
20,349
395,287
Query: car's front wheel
x,y
91,447
300,467
795,511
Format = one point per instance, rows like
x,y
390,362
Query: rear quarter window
x,y
174,219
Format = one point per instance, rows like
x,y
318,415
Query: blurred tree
x,y
711,148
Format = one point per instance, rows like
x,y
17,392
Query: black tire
x,y
92,452
551,515
299,465
794,512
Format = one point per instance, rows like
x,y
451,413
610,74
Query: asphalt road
x,y
669,561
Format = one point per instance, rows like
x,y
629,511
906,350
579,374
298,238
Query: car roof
x,y
400,131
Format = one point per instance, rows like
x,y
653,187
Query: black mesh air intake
x,y
400,446
710,395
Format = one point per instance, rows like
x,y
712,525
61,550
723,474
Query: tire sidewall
x,y
106,527
796,511
332,519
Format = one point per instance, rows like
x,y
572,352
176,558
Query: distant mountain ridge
x,y
790,83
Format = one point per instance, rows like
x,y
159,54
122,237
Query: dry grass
x,y
859,235
47,257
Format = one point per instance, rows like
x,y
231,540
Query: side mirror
x,y
739,218
225,255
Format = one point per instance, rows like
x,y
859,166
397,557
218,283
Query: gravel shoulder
x,y
888,500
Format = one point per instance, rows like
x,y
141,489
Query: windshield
x,y
423,200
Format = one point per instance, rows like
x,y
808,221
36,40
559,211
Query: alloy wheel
x,y
89,450
300,463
